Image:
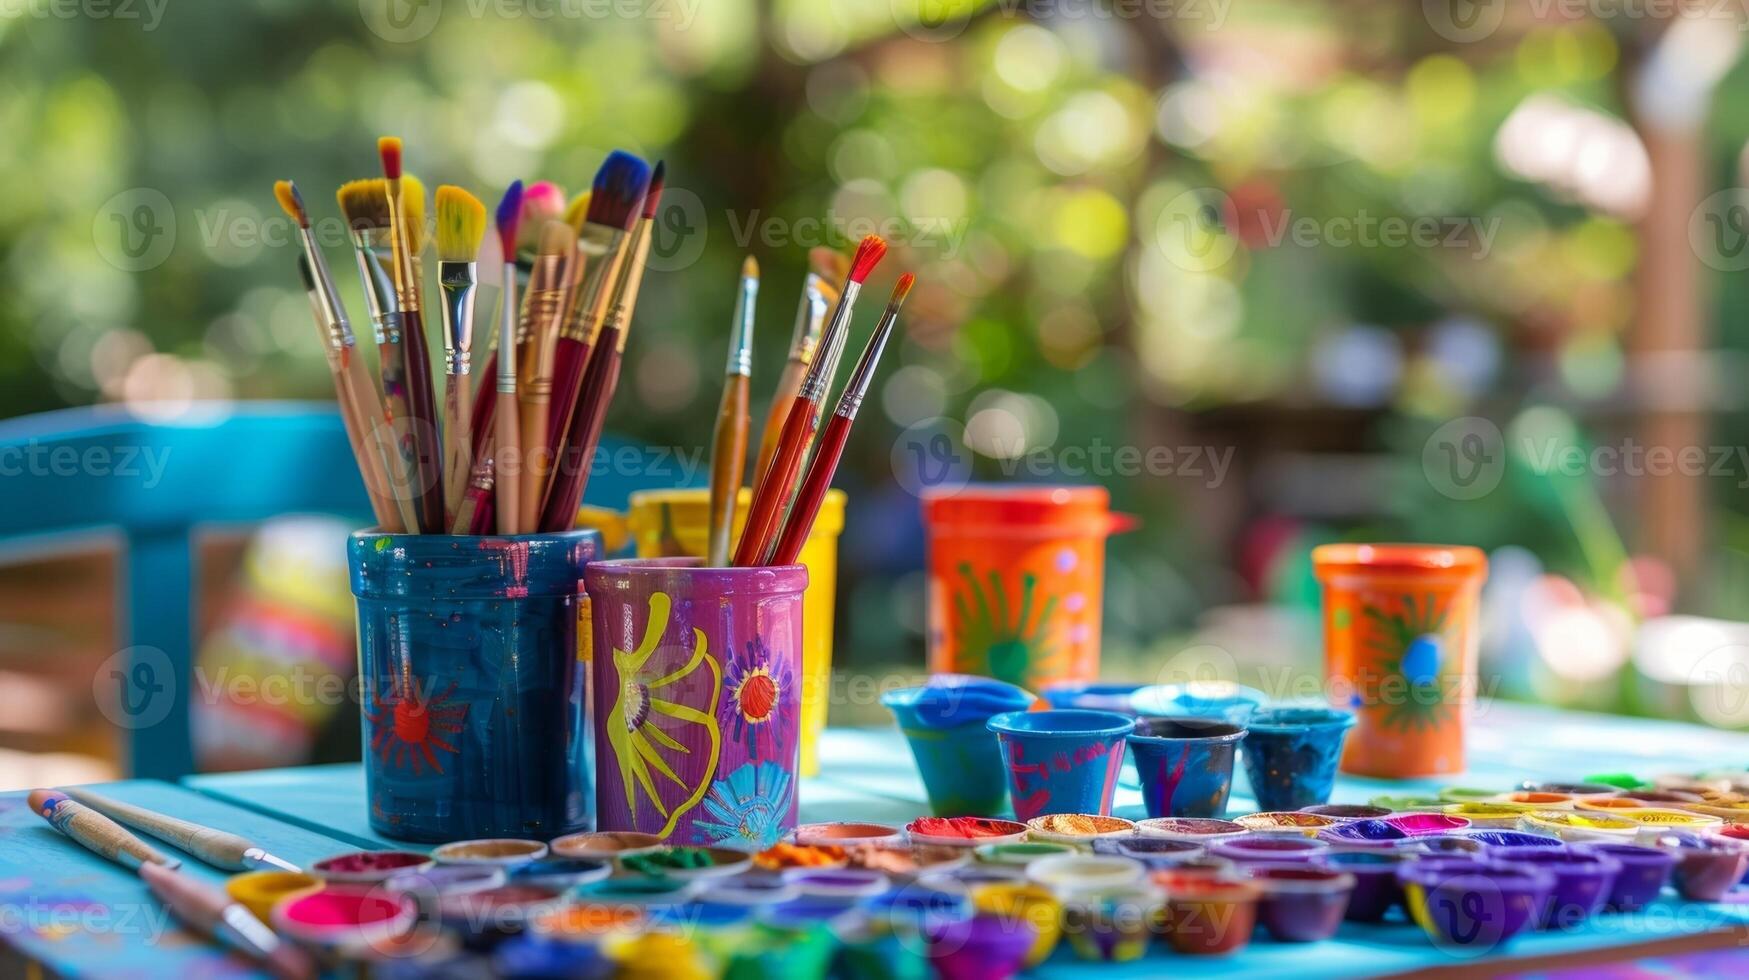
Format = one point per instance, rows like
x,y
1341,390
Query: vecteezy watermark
x,y
48,916
1467,21
135,688
1718,230
944,20
135,229
1201,229
1207,465
406,21
149,13
144,463
1465,458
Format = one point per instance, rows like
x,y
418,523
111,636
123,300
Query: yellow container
x,y
675,523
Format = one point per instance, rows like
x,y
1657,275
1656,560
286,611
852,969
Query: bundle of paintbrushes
x,y
511,453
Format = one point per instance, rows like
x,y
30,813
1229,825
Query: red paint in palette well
x,y
359,861
342,907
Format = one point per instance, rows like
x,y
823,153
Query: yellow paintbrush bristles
x,y
365,203
556,238
461,224
291,202
413,213
577,212
750,268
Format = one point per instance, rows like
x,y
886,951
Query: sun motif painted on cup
x,y
759,689
409,726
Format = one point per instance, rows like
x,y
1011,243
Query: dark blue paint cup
x,y
473,684
1185,765
1061,761
957,756
1291,755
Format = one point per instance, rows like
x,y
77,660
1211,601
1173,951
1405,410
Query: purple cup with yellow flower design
x,y
697,699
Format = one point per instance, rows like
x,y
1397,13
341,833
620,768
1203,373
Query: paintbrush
x,y
559,511
831,448
361,410
535,208
218,848
612,210
818,294
210,911
406,230
771,495
365,206
199,906
493,499
729,443
543,306
461,226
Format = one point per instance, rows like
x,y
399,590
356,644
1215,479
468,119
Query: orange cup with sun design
x,y
472,678
1016,580
1401,626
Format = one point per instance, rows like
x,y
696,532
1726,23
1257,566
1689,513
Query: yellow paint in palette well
x,y
1578,825
1496,816
1677,819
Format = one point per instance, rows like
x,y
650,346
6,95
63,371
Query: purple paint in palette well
x,y
697,691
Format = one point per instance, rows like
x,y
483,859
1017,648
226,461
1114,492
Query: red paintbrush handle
x,y
774,489
814,487
422,408
570,363
566,490
485,405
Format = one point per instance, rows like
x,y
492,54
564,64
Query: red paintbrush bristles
x,y
653,196
389,148
868,255
902,288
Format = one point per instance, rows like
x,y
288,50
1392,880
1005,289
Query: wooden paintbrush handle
x,y
96,832
536,462
218,848
728,459
458,452
362,412
509,449
788,384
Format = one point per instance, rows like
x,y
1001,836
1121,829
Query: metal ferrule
x,y
741,351
587,309
507,333
371,248
240,928
403,263
457,280
819,376
544,303
856,389
255,857
810,319
334,323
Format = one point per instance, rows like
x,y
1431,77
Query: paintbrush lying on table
x,y
219,848
198,905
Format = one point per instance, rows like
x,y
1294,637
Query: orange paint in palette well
x,y
782,856
1306,823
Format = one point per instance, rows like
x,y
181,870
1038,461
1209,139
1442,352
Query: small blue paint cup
x,y
1063,760
472,682
1222,700
1185,765
1095,696
945,723
1291,755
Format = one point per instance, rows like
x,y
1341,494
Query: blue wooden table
x,y
77,915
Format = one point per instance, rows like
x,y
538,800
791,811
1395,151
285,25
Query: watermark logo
x,y
1465,458
1464,21
931,455
135,229
1718,230
149,13
679,230
135,688
1192,230
401,21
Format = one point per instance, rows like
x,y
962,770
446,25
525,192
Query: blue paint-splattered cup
x,y
1185,765
1061,761
944,721
1291,755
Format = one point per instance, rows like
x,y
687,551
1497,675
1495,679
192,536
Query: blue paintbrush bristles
x,y
509,211
618,193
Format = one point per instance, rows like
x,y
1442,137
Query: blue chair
x,y
155,484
